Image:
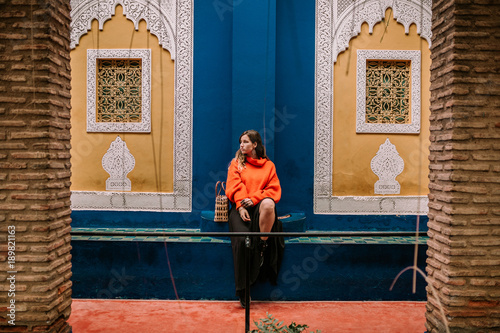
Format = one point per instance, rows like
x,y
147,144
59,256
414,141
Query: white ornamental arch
x,y
172,22
160,17
349,16
337,22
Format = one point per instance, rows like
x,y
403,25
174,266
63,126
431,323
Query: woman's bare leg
x,y
266,211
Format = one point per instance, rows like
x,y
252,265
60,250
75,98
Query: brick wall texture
x,y
35,163
463,262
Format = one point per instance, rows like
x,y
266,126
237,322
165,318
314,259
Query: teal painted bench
x,y
293,222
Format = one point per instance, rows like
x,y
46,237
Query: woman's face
x,y
246,146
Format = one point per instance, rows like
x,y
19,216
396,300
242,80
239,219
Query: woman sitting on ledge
x,y
254,189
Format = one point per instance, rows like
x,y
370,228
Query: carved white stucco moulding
x,y
180,200
348,18
160,17
387,165
144,126
118,162
411,128
372,205
328,23
130,201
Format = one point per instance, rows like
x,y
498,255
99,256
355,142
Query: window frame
x,y
144,126
415,69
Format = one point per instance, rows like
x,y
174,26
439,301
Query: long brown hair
x,y
254,137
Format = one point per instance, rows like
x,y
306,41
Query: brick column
x,y
463,262
35,286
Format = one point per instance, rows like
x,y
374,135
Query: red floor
x,y
155,316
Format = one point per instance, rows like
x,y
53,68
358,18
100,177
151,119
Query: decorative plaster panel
x,y
323,141
180,15
118,162
337,21
372,205
130,201
160,17
414,125
387,165
145,124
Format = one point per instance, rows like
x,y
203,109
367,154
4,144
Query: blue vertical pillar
x,y
253,75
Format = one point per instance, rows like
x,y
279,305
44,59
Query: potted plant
x,y
273,325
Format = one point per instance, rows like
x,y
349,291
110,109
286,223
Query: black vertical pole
x,y
247,284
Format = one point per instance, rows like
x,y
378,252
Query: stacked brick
x,y
463,264
35,165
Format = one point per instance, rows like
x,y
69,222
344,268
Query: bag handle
x,y
222,187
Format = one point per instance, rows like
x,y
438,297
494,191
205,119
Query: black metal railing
x,y
247,236
240,234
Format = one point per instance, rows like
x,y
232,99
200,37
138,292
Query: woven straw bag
x,y
221,203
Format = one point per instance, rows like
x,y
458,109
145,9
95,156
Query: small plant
x,y
272,325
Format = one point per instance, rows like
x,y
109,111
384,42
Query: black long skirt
x,y
273,255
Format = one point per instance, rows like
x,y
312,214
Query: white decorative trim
x,y
348,19
323,103
130,201
181,199
144,126
329,26
183,116
160,17
387,165
118,162
372,205
361,125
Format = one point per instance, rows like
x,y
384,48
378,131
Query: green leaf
x,y
273,325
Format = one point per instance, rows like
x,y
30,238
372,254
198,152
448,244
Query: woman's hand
x,y
247,202
244,214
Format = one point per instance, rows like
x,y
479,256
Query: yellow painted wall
x,y
153,152
352,152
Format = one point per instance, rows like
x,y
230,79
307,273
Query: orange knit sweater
x,y
257,181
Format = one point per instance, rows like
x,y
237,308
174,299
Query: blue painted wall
x,y
254,58
150,270
253,68
295,103
236,87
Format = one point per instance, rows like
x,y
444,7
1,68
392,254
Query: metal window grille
x,y
119,90
388,92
